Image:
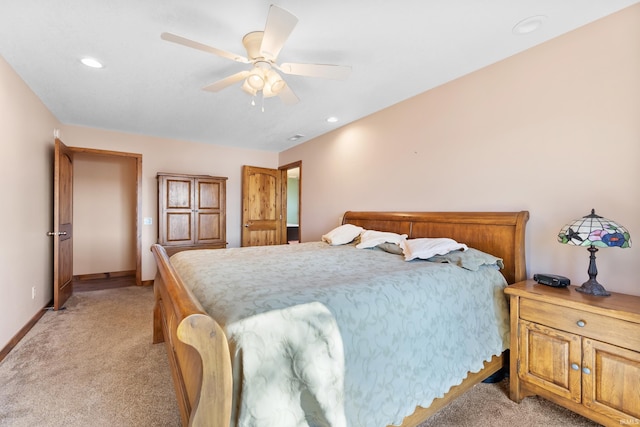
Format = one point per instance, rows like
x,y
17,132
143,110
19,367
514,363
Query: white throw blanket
x,y
292,368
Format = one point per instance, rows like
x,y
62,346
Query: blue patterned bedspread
x,y
408,331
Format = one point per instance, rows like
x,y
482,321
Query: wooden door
x,y
550,359
62,225
262,210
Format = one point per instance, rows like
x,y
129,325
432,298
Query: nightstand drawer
x,y
615,331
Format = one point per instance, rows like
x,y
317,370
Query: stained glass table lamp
x,y
594,231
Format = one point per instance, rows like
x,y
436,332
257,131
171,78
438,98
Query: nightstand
x,y
579,351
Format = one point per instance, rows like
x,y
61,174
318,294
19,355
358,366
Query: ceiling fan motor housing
x,y
252,43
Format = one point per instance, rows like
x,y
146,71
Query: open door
x,y
262,207
292,201
62,225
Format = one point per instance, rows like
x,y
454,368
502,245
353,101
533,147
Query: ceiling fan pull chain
x,y
262,101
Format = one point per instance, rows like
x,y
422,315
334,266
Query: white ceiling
x,y
149,86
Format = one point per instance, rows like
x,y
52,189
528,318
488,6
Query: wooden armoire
x,y
191,212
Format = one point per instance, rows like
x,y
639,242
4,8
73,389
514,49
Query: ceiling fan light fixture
x,y
256,79
247,88
266,92
275,82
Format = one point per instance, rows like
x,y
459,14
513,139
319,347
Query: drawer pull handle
x,y
581,323
586,370
575,366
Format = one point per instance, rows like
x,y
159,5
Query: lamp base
x,y
592,287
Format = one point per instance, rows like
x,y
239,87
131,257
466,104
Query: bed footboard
x,y
195,344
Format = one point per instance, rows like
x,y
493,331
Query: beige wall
x,y
104,214
554,130
167,155
26,168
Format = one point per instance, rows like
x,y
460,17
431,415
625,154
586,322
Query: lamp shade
x,y
594,230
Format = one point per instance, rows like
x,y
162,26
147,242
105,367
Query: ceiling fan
x,y
263,48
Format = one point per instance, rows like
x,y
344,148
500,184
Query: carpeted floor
x,y
93,364
488,405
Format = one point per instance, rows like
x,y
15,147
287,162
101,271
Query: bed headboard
x,y
498,233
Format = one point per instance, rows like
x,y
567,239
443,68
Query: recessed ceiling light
x,y
332,119
529,25
91,62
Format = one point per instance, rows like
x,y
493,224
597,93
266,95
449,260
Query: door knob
x,y
246,225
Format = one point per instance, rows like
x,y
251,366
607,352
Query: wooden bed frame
x,y
197,346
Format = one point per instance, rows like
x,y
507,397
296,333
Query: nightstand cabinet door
x,y
611,381
550,359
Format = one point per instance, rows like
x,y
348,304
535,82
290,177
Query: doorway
x,y
104,209
269,215
63,209
293,202
134,182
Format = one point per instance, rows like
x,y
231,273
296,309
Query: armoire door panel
x,y
179,195
208,227
179,227
208,195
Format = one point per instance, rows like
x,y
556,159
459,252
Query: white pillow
x,y
342,234
427,247
372,238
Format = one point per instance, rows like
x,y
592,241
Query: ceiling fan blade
x,y
287,96
280,24
327,71
228,81
196,45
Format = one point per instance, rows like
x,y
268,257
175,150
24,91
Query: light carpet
x,y
93,364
